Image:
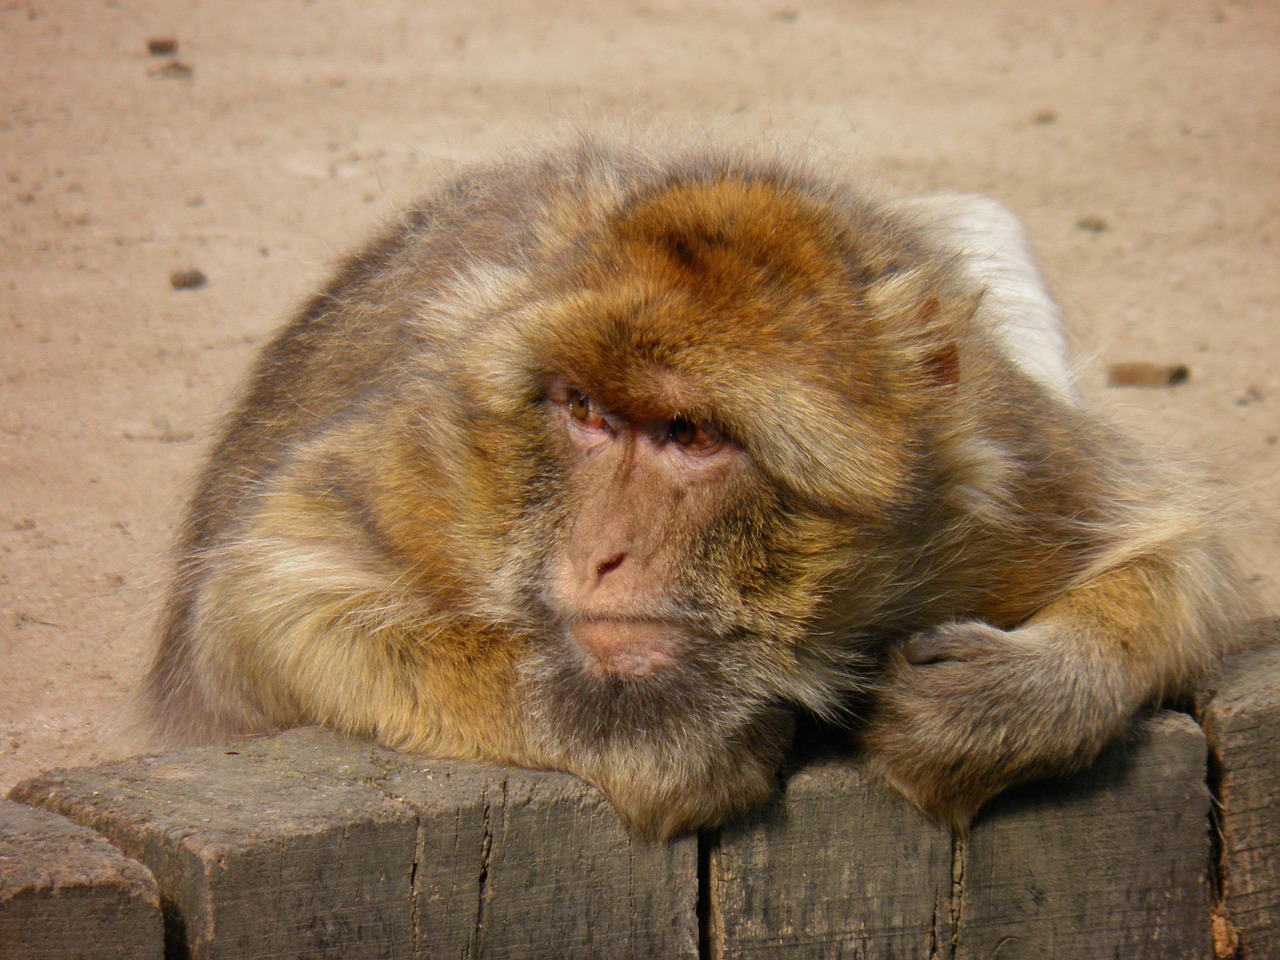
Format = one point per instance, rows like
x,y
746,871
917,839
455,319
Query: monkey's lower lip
x,y
625,647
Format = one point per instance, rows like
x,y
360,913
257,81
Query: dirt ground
x,y
1140,142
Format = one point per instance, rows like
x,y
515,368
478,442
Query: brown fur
x,y
450,512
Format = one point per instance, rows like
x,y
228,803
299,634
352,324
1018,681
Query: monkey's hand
x,y
967,710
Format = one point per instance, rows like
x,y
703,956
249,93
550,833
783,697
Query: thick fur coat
x,y
608,463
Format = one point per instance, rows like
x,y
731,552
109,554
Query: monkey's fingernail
x,y
922,650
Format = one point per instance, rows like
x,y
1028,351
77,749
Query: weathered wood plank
x,y
312,844
66,892
838,866
1112,863
279,848
527,864
1242,721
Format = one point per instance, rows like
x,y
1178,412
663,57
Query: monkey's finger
x,y
953,642
928,647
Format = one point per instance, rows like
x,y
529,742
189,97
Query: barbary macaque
x,y
616,465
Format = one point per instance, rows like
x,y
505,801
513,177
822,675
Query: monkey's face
x,y
726,414
678,583
661,667
642,582
647,486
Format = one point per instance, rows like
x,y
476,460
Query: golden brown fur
x,y
607,464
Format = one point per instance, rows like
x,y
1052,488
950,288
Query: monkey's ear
x,y
943,366
936,324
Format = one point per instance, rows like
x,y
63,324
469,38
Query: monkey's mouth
x,y
626,647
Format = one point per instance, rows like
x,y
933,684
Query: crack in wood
x,y
415,916
959,861
476,939
709,935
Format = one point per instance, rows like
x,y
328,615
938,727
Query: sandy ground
x,y
1140,142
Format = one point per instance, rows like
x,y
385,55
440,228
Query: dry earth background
x,y
1139,141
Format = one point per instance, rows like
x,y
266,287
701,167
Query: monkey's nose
x,y
606,567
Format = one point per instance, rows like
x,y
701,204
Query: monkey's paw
x,y
966,710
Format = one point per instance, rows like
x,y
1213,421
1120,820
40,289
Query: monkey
x,y
616,461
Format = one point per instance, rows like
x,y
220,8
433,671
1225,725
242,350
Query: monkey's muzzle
x,y
626,648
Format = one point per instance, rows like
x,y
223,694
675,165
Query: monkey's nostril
x,y
607,567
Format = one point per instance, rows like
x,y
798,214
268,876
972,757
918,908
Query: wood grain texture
x,y
837,866
310,844
1113,863
274,848
66,892
1242,722
526,864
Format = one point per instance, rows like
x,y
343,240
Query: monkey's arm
x,y
967,709
1108,575
300,612
1101,584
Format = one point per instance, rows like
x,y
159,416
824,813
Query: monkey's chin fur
x,y
674,750
661,793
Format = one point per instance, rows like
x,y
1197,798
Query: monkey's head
x,y
715,411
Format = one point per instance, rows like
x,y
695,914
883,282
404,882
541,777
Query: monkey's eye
x,y
585,412
682,431
694,437
579,406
